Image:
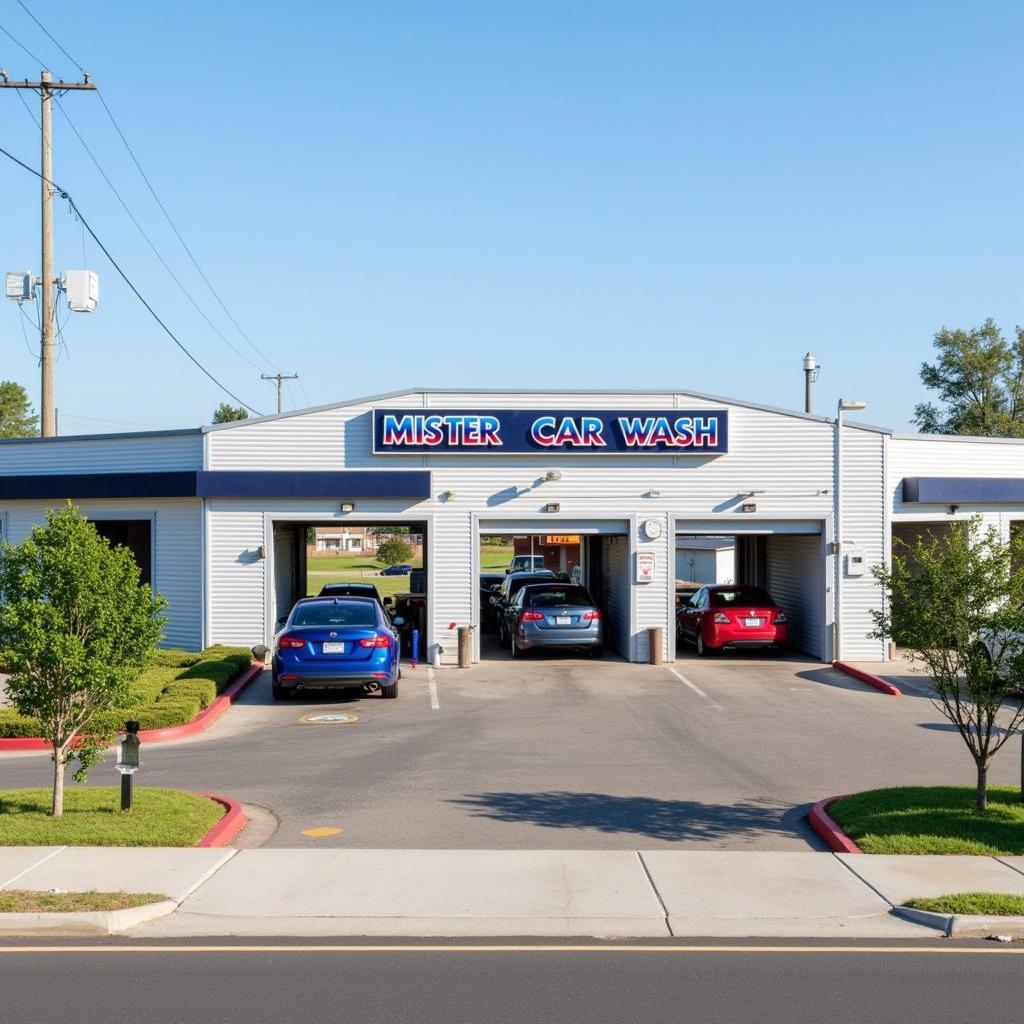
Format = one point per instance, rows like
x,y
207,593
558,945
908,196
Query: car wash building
x,y
218,515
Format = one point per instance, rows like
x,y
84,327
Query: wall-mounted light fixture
x,y
553,474
347,506
748,506
953,509
447,495
261,551
653,493
552,506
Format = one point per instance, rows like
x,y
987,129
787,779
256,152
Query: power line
x,y
52,40
153,193
174,277
127,280
22,46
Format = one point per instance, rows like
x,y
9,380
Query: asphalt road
x,y
561,752
437,984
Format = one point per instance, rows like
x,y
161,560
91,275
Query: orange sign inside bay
x,y
562,538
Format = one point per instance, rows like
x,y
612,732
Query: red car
x,y
737,615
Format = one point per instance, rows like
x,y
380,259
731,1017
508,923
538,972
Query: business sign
x,y
535,431
561,538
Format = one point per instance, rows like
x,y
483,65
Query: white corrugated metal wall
x,y
796,580
863,527
137,453
177,554
287,587
238,606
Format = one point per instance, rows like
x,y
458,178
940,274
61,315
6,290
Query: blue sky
x,y
555,194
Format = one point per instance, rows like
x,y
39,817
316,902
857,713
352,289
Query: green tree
x,y
951,599
979,379
17,417
77,628
393,551
228,413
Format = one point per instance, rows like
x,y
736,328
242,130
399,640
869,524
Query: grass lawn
x,y
26,901
1000,903
172,689
323,569
92,817
933,819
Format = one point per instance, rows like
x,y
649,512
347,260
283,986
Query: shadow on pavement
x,y
644,816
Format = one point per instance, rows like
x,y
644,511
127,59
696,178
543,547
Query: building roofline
x,y
742,403
959,438
180,432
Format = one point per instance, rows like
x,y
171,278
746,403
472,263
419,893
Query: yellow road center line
x,y
911,950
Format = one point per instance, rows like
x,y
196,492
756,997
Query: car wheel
x,y
702,648
512,648
597,651
390,692
281,692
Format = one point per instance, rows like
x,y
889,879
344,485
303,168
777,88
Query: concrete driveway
x,y
561,752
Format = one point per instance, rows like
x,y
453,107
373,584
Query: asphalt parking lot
x,y
556,751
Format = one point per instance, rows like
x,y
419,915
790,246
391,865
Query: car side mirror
x,y
388,602
507,571
398,620
281,621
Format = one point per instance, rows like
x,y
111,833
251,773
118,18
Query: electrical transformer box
x,y
83,290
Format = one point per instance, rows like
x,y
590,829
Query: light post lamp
x,y
128,760
844,405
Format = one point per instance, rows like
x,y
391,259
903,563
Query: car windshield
x,y
730,598
335,613
549,597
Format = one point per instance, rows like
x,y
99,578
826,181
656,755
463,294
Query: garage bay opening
x,y
553,594
753,591
382,560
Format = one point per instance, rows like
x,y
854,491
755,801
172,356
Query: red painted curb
x,y
866,677
202,721
835,838
228,827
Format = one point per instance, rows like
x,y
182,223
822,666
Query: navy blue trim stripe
x,y
945,490
352,483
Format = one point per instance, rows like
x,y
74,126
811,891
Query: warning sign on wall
x,y
645,567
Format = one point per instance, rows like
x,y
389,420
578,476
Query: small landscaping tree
x,y
76,628
950,600
393,551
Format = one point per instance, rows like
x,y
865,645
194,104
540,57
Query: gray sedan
x,y
555,615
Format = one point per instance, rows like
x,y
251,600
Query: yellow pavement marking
x,y
323,830
932,950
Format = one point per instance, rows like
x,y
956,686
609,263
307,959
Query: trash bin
x,y
656,643
465,646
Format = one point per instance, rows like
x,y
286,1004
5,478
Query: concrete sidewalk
x,y
619,894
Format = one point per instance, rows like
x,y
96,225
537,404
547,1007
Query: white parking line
x,y
435,704
696,689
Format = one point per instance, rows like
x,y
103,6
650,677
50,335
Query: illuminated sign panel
x,y
533,431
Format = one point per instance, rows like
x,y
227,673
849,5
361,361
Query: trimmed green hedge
x,y
172,690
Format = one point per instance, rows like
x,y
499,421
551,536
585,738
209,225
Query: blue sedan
x,y
337,643
396,570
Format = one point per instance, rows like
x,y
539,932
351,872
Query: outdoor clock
x,y
652,529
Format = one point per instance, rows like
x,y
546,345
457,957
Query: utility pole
x,y
280,378
46,87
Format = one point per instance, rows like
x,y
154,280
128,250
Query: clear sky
x,y
558,194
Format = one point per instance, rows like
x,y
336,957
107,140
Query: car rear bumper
x,y
336,682
731,638
560,638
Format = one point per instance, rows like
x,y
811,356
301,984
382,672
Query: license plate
x,y
754,623
333,647
563,620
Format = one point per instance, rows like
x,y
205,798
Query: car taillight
x,y
380,640
722,618
591,616
780,618
290,642
531,617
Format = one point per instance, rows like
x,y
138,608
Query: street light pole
x,y
837,543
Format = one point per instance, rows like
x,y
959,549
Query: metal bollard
x,y
465,646
656,643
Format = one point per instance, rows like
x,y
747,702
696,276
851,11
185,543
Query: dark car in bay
x,y
489,584
560,614
510,586
354,590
